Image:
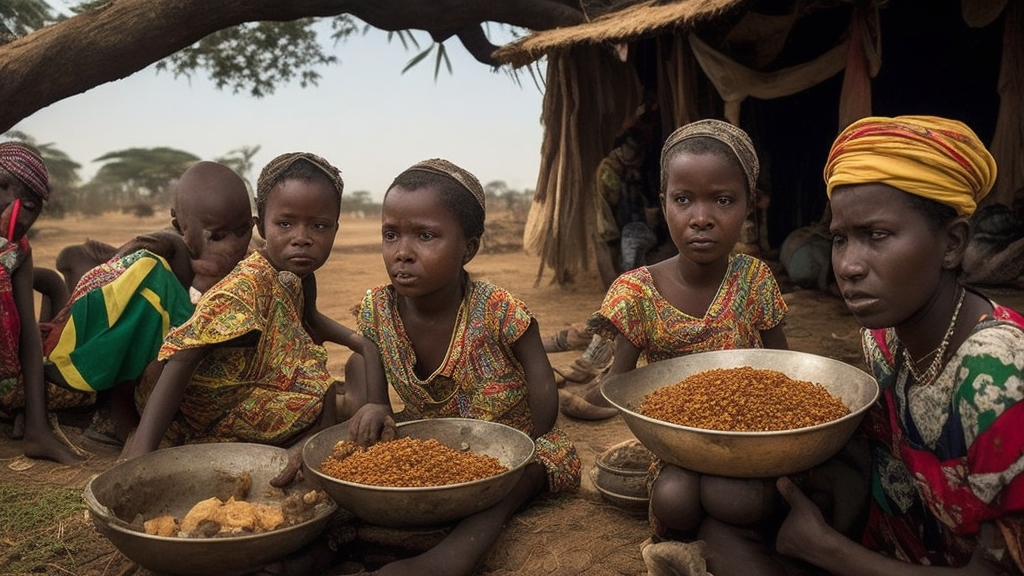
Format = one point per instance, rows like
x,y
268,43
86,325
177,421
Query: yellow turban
x,y
933,157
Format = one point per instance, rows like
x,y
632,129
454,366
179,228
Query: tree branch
x,y
124,36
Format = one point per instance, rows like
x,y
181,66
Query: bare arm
x,y
542,392
806,535
30,347
163,403
626,356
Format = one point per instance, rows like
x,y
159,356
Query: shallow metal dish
x,y
171,481
743,454
433,505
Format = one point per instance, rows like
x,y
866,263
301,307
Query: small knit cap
x,y
929,156
24,162
732,136
271,173
460,175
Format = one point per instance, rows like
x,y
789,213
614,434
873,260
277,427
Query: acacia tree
x,y
109,41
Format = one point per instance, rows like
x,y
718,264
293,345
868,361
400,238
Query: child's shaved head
x,y
213,213
208,182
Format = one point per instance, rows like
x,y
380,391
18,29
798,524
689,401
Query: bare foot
x,y
47,446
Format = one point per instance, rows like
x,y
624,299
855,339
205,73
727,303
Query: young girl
x,y
457,348
24,186
705,298
249,364
947,486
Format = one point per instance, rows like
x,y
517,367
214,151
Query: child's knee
x,y
738,501
675,498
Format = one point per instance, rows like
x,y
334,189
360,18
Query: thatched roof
x,y
629,23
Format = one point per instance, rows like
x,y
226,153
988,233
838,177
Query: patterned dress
x,y
747,302
949,455
116,320
266,378
480,376
12,389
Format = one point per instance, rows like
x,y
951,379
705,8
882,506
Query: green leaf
x,y
416,59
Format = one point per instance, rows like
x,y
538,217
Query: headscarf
x,y
932,157
24,162
271,174
460,175
735,138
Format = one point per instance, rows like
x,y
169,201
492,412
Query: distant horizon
x,y
365,116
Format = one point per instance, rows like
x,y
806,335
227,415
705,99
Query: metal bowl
x,y
743,454
431,505
171,481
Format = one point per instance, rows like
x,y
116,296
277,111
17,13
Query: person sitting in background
x,y
24,187
94,346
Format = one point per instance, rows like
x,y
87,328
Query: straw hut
x,y
790,72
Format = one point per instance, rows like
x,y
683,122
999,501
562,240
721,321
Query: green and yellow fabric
x,y
116,321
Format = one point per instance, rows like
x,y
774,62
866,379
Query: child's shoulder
x,y
164,242
487,291
494,297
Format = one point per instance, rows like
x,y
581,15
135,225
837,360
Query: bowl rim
x,y
118,525
624,497
598,462
754,433
98,511
406,489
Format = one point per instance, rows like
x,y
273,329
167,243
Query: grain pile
x,y
408,463
743,399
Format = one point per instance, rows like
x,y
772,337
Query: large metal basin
x,y
743,454
171,481
431,505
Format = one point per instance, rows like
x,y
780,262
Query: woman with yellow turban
x,y
947,436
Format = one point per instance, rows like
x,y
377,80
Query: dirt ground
x,y
579,534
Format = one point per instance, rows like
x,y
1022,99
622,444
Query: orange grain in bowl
x,y
743,399
408,463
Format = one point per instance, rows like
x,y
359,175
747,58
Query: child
x,y
93,345
24,187
249,364
946,438
457,348
705,298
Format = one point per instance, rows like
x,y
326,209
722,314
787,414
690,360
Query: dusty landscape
x,y
50,532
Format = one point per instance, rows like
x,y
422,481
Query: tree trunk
x,y
124,36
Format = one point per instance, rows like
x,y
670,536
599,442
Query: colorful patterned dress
x,y
12,389
480,376
115,321
747,303
949,455
265,380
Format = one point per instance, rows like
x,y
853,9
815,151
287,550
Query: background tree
x,y
111,40
20,17
142,174
240,160
359,203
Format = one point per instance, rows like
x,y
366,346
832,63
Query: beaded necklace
x,y
929,375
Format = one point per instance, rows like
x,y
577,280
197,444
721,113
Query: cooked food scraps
x,y
408,463
743,399
214,517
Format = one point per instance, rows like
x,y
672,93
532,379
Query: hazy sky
x,y
365,116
